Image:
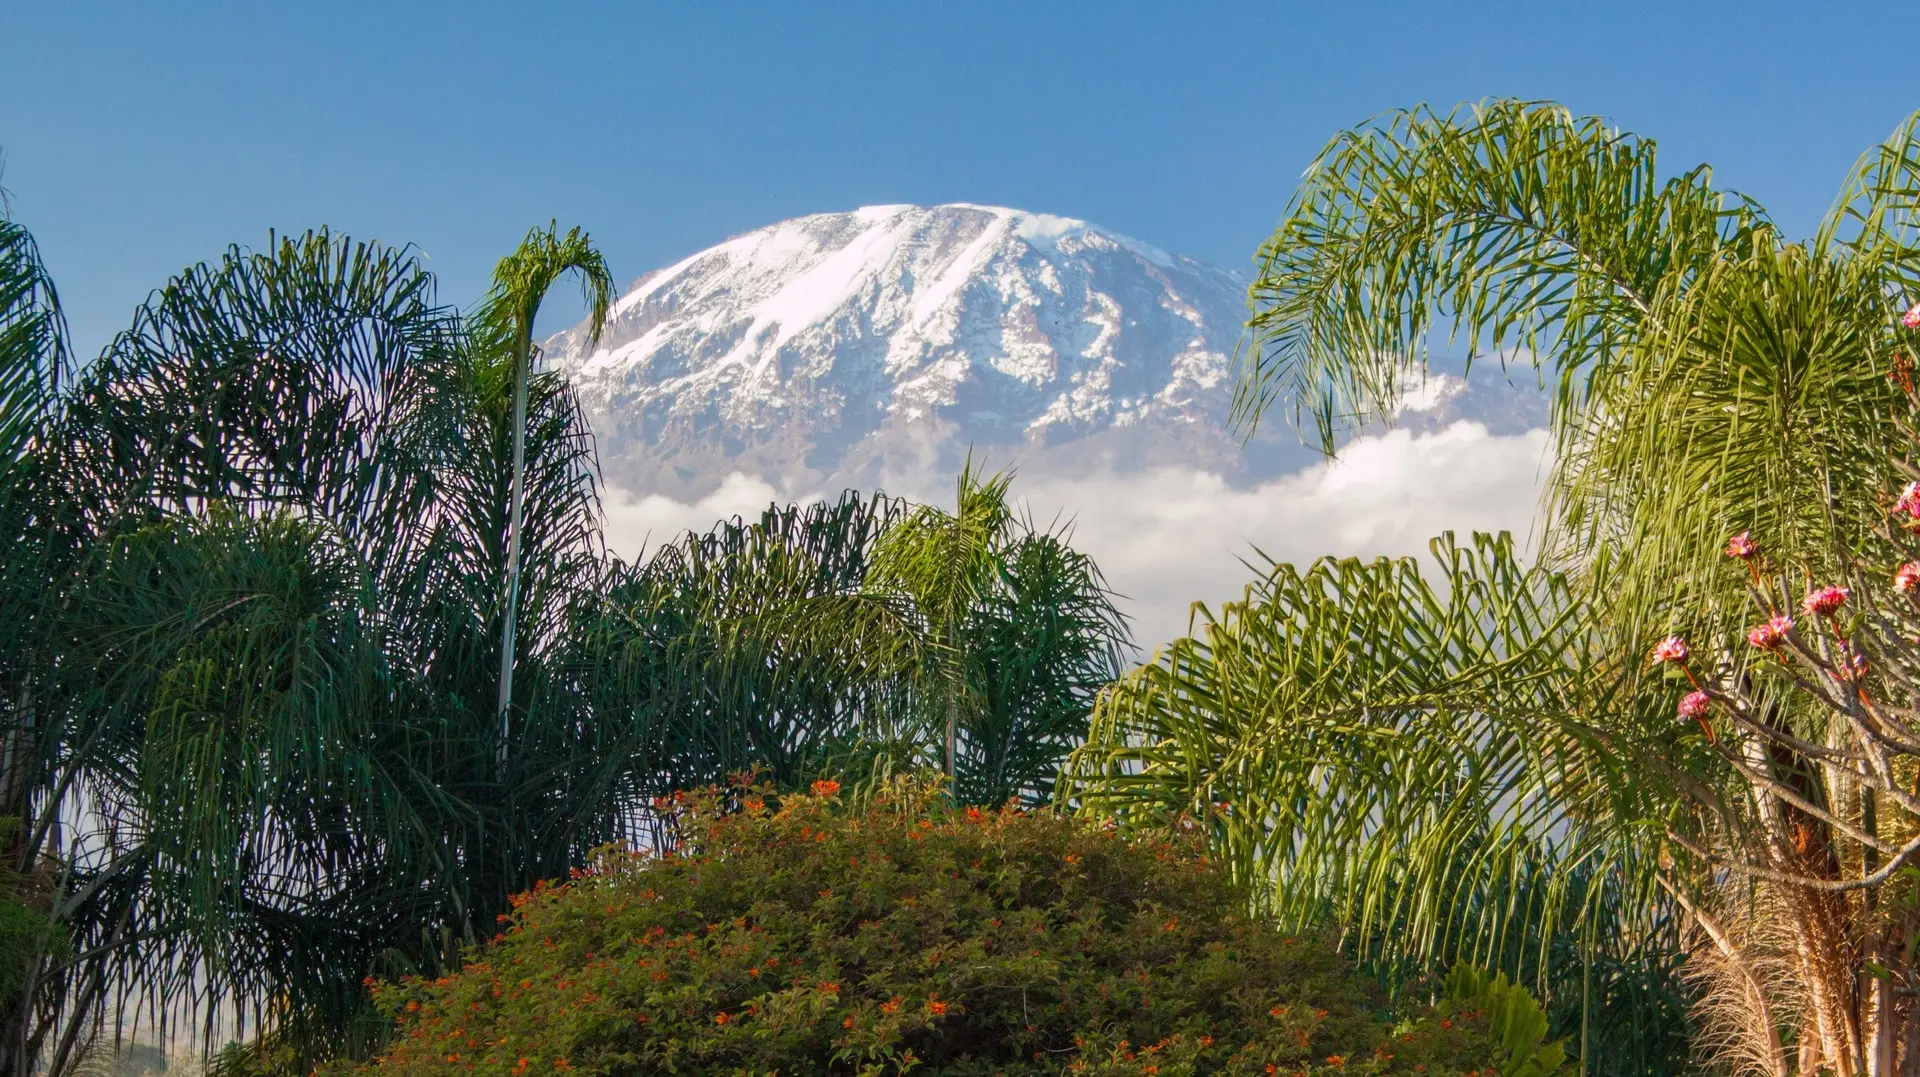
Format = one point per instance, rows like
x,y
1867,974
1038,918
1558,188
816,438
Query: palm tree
x,y
944,562
779,644
754,646
42,552
1708,378
1022,633
521,282
299,472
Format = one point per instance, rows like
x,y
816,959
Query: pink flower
x,y
1825,601
1695,705
1911,319
1907,577
1742,547
1771,635
1909,500
1671,649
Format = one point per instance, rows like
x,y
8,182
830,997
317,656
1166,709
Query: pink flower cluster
x,y
1907,577
1671,649
1695,705
1771,635
1825,601
1909,500
1911,319
1741,547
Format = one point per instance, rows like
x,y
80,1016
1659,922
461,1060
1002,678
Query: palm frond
x,y
1515,224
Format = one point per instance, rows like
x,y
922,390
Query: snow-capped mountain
x,y
876,347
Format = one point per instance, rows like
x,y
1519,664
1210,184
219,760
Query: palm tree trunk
x,y
514,518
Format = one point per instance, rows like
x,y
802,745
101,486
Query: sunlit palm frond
x,y
1412,759
1517,225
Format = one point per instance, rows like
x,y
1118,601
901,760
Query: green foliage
x,y
1021,632
790,643
1708,377
789,934
520,284
756,644
1398,754
1295,721
1517,224
28,936
1516,1020
297,469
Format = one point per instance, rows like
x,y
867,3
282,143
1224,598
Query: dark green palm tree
x,y
43,542
299,472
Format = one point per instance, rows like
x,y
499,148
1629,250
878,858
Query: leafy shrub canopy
x,y
793,935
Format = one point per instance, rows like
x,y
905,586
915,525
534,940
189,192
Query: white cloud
x,y
1170,536
634,525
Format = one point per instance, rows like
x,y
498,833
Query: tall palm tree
x,y
521,282
1708,377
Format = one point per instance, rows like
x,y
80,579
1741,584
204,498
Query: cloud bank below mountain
x,y
1168,536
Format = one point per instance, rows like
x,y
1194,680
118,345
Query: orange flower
x,y
1336,1060
890,1005
825,787
720,1018
936,1007
848,1023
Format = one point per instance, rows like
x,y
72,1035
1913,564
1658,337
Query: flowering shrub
x,y
794,935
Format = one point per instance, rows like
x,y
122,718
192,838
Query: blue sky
x,y
141,137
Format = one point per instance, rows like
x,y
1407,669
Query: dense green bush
x,y
794,935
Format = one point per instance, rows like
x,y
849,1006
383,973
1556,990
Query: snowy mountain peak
x,y
857,344
876,347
